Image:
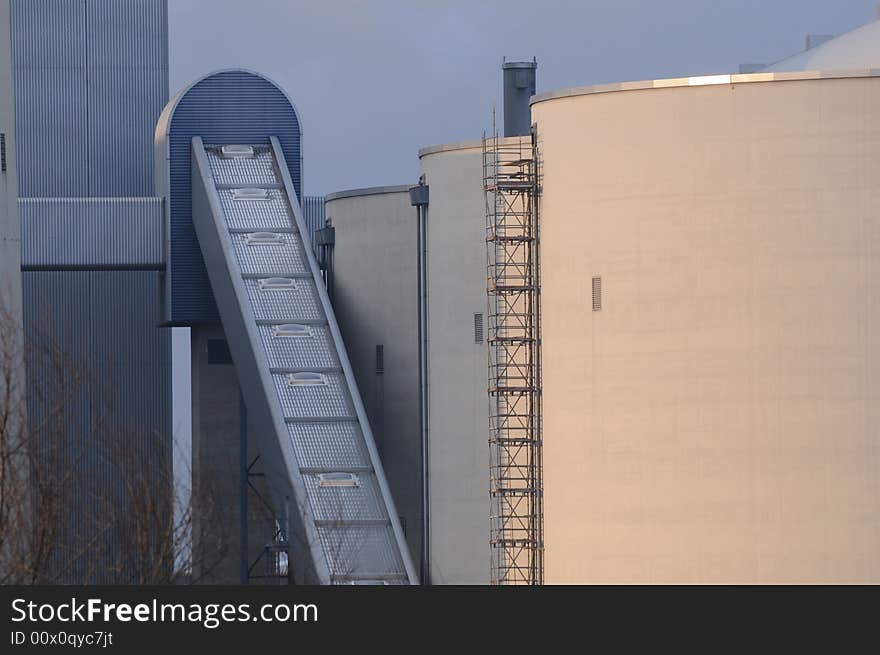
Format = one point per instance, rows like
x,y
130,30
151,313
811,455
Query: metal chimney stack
x,y
519,86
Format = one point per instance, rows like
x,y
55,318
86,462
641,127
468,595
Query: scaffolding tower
x,y
516,518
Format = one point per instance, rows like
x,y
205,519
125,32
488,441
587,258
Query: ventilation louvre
x,y
380,359
478,328
597,294
2,153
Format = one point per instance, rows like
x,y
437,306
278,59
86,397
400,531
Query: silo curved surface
x,y
375,298
458,453
458,423
716,419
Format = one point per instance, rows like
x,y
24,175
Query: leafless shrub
x,y
107,509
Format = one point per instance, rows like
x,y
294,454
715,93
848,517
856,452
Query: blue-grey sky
x,y
375,80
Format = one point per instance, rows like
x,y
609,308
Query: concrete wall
x,y
458,373
11,362
10,245
717,420
376,304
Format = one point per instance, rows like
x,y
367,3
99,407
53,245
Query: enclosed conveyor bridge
x,y
321,461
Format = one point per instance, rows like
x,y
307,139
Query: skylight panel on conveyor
x,y
250,193
264,239
338,480
237,152
292,330
277,284
306,379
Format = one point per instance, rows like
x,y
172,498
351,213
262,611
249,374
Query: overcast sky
x,y
375,80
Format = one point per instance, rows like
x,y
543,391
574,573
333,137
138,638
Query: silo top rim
x,y
703,80
519,64
368,191
467,145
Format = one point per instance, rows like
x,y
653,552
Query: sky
x,y
375,80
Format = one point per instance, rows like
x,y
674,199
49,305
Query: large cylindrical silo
x,y
458,508
375,297
710,252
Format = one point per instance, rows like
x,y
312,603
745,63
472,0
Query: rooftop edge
x,y
702,80
368,191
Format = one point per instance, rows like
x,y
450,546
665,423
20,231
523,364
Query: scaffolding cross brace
x,y
511,185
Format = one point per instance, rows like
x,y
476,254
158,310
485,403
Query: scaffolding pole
x,y
516,519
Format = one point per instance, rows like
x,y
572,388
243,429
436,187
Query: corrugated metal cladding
x,y
108,385
228,107
313,212
91,78
92,231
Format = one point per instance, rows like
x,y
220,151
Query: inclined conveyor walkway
x,y
321,461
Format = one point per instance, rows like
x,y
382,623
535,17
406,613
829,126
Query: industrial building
x,y
704,401
630,338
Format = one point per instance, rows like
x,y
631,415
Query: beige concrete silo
x,y
713,417
458,455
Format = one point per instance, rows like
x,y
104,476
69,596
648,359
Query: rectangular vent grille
x,y
478,328
380,359
2,153
597,294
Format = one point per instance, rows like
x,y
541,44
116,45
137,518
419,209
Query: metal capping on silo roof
x,y
703,80
367,191
467,145
295,374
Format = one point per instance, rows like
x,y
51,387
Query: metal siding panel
x,y
50,139
229,107
49,60
128,87
86,231
130,365
314,214
129,349
91,78
56,321
104,324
